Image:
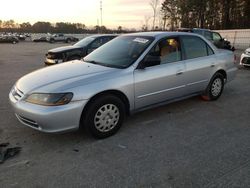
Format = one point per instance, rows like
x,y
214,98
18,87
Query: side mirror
x,y
149,61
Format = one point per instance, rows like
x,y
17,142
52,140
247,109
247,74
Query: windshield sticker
x,y
141,40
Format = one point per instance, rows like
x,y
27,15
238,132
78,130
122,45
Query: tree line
x,y
211,14
59,27
168,15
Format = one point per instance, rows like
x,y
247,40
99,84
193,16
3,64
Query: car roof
x,y
160,34
103,35
192,29
201,29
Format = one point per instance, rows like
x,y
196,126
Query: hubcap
x,y
106,118
216,87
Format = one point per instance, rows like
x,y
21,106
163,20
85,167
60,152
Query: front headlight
x,y
49,99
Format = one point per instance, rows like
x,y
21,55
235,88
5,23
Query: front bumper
x,y
245,60
51,119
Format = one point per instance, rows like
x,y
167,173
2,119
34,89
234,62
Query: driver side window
x,y
165,51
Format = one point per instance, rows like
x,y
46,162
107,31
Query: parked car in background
x,y
61,38
8,39
213,36
40,39
245,58
78,50
130,73
21,37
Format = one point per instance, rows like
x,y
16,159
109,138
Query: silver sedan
x,y
128,74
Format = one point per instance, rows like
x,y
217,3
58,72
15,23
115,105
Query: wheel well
x,y
116,93
223,73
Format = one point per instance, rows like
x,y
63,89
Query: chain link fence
x,y
239,38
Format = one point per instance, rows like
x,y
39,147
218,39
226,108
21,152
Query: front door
x,y
163,81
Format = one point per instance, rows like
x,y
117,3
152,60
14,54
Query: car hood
x,y
64,48
65,75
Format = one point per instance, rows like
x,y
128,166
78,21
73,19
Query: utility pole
x,y
101,11
98,27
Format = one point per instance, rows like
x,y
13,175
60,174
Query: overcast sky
x,y
127,13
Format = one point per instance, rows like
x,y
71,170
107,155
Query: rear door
x,y
200,61
164,81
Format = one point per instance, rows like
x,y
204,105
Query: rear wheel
x,y
104,116
68,40
214,88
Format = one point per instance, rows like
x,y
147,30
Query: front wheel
x,y
104,116
214,88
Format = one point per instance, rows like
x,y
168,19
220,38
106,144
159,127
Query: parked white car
x,y
245,58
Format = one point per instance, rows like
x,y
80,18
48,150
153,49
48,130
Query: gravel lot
x,y
191,143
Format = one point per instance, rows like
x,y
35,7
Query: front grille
x,y
27,121
17,94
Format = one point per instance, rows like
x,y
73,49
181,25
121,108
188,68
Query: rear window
x,y
197,32
216,37
208,35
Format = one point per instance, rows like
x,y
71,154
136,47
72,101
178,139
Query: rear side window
x,y
195,47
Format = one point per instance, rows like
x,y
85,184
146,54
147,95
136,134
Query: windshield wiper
x,y
103,64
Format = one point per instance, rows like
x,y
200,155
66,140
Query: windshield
x,y
121,52
85,41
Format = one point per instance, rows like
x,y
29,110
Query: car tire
x,y
52,41
214,88
104,116
68,41
14,42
